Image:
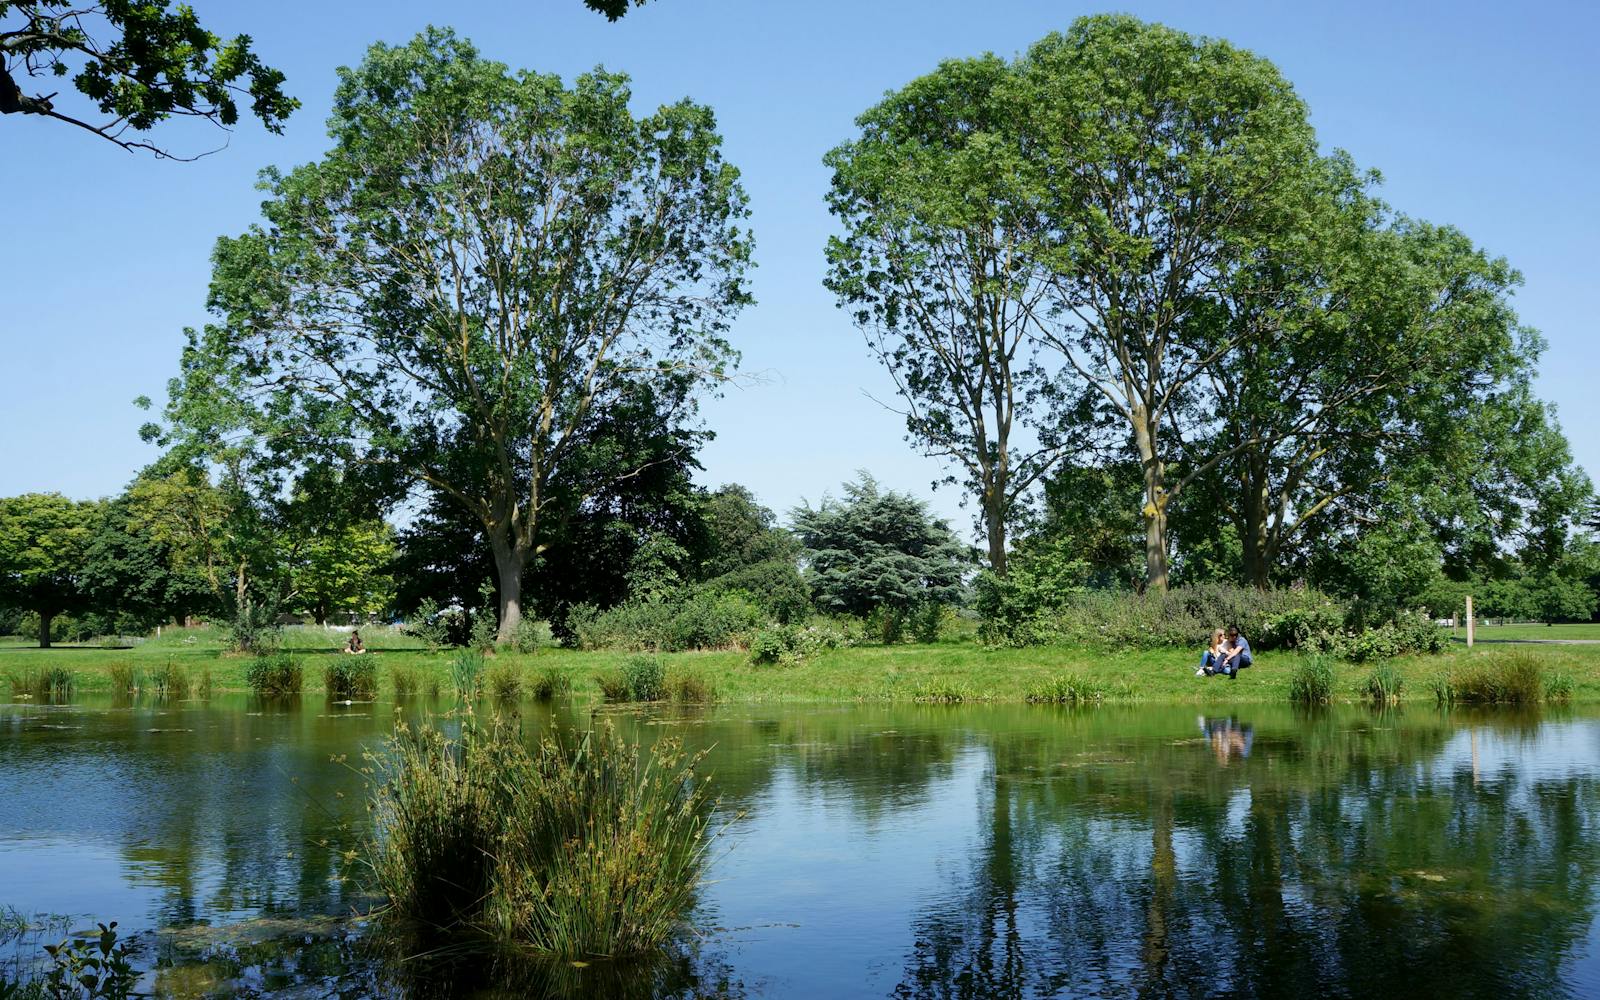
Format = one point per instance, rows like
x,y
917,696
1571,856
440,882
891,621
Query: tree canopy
x,y
44,539
484,264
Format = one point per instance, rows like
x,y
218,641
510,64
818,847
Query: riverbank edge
x,y
953,672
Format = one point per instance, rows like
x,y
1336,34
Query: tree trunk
x,y
508,562
1254,537
995,523
1155,505
45,618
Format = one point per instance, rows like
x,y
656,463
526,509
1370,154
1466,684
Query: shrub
x,y
504,682
582,846
407,681
253,625
793,643
1312,681
771,645
699,620
531,635
1407,632
466,674
1384,685
429,624
690,689
485,629
927,621
354,678
171,682
887,625
549,684
275,675
1070,689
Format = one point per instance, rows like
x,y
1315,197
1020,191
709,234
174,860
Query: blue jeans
x,y
1209,662
1234,665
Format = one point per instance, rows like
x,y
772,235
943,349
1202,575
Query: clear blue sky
x,y
1479,115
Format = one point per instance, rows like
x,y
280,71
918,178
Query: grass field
x,y
1523,633
955,671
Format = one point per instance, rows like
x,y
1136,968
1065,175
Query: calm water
x,y
880,852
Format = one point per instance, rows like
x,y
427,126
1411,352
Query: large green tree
x,y
44,539
483,263
1166,164
137,63
934,265
875,548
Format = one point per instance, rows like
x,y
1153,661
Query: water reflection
x,y
921,851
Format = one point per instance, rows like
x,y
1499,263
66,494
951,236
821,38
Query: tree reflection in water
x,y
1334,860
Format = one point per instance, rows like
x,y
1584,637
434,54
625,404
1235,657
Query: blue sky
x,y
1479,115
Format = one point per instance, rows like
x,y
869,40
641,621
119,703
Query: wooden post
x,y
1469,621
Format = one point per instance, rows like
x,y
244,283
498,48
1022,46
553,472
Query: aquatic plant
x,y
354,678
407,681
582,846
466,673
275,675
690,688
125,678
613,686
171,682
1312,681
646,678
504,681
93,967
549,683
204,688
1513,678
1384,685
1558,687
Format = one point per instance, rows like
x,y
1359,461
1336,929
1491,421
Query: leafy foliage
x,y
277,675
877,549
44,540
352,677
139,62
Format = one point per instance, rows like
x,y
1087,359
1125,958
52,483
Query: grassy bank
x,y
957,671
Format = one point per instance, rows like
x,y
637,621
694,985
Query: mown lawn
x,y
1519,633
943,672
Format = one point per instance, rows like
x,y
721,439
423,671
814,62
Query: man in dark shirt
x,y
1237,655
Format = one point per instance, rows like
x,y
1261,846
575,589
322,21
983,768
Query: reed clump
x,y
407,681
688,688
466,674
275,675
1312,681
1384,686
549,684
1511,678
353,678
582,845
170,683
504,681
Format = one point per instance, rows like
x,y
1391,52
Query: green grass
x,y
906,673
1525,632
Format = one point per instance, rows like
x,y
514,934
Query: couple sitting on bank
x,y
1226,655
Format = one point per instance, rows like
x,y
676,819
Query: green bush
x,y
1558,687
699,620
274,675
354,678
928,621
887,625
772,644
583,846
1312,681
613,686
793,643
429,624
1408,632
532,635
1384,685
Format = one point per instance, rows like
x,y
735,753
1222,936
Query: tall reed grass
x,y
354,678
581,846
466,674
1312,681
1510,678
275,675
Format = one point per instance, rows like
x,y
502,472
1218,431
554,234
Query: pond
x,y
909,851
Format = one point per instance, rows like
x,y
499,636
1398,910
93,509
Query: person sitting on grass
x,y
1211,659
354,645
1236,656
